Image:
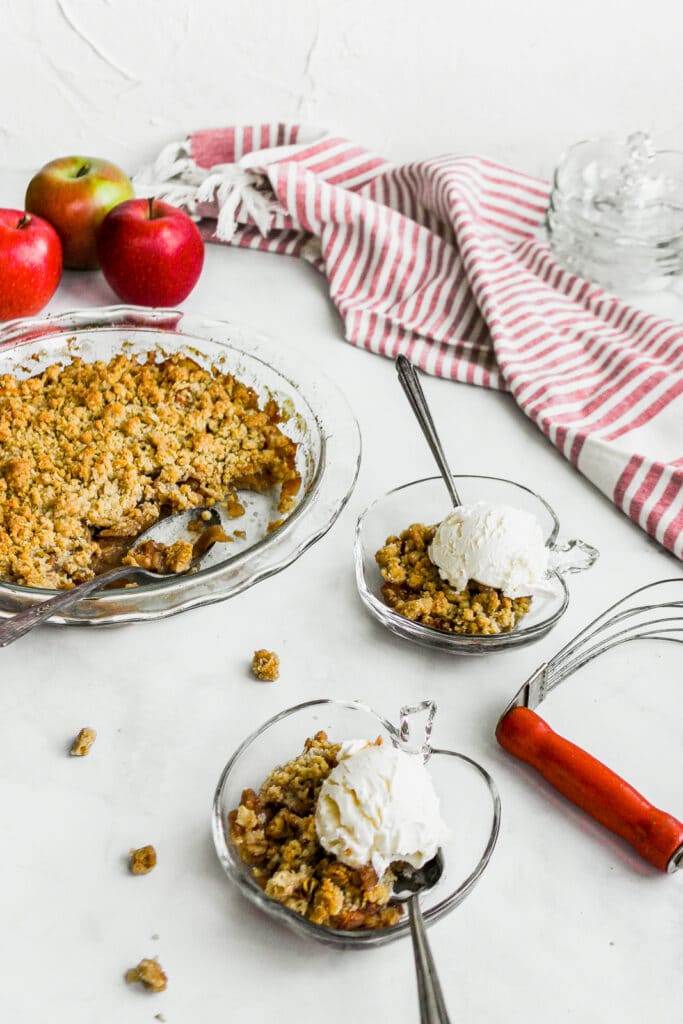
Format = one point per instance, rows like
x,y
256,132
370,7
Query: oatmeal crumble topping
x,y
266,666
83,742
414,589
143,860
91,452
274,832
150,973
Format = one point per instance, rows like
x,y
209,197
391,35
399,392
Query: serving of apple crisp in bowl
x,y
316,811
112,419
482,577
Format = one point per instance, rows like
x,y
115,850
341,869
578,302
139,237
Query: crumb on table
x,y
150,974
265,665
83,742
143,860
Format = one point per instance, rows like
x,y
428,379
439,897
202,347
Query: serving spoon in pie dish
x,y
204,522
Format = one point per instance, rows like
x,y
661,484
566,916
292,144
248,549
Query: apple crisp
x,y
274,833
91,453
143,860
266,666
414,589
150,973
83,742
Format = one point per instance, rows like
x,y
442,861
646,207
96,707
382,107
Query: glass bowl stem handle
x,y
572,556
415,731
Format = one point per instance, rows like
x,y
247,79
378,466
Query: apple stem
x,y
82,170
24,220
151,207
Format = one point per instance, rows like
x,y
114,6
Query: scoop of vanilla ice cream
x,y
497,545
379,806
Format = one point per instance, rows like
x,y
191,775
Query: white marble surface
x,y
515,82
565,924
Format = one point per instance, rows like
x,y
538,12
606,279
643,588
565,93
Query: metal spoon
x,y
414,881
411,385
164,531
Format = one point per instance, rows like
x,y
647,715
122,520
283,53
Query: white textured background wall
x,y
514,79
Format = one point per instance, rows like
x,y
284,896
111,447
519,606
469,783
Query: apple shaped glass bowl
x,y
467,794
426,501
318,419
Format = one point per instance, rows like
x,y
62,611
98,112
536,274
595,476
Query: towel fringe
x,y
238,193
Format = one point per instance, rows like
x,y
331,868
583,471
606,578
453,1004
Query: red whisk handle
x,y
592,786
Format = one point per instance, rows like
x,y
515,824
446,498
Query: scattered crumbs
x,y
83,742
143,860
266,666
234,506
242,534
611,943
274,525
155,937
206,515
159,1017
150,974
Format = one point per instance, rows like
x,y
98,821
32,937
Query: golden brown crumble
x,y
274,832
143,860
266,666
161,558
414,589
150,973
94,452
83,742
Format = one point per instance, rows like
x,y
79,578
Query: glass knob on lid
x,y
616,213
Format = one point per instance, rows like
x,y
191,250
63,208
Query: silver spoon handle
x,y
411,385
432,1007
23,622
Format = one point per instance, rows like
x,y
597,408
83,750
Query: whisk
x,y
652,612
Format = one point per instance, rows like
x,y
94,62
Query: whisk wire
x,y
641,623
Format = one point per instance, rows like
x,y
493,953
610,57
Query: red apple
x,y
30,263
151,252
75,193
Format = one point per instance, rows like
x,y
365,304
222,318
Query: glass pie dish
x,y
426,501
467,794
319,420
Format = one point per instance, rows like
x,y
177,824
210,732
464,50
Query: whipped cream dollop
x,y
379,806
496,545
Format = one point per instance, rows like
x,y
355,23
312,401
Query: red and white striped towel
x,y
442,260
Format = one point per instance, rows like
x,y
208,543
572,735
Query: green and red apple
x,y
75,193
